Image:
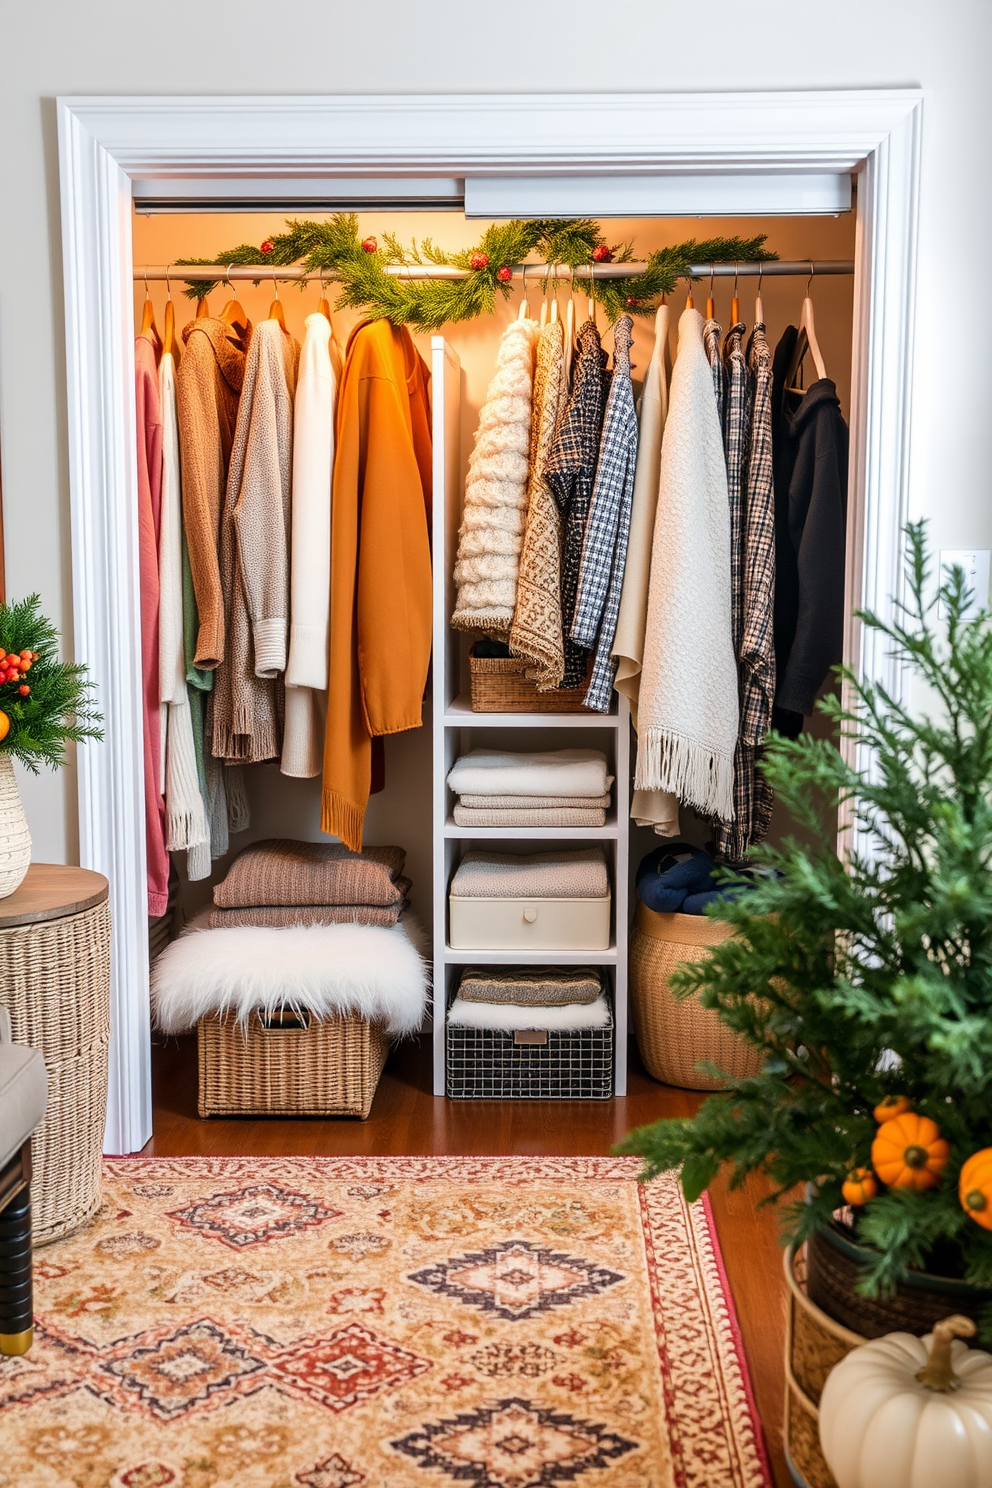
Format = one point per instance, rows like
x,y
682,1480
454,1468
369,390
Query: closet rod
x,y
774,268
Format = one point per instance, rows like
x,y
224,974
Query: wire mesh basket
x,y
526,1064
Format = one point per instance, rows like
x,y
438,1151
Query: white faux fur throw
x,y
462,1014
688,709
495,514
554,772
326,969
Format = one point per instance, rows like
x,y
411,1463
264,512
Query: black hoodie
x,y
809,445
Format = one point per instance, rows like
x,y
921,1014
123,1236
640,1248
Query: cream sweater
x,y
310,568
688,712
495,514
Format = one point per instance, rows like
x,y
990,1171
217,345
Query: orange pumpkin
x,y
892,1105
4,725
859,1187
909,1152
975,1187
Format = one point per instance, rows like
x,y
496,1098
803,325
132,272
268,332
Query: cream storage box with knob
x,y
550,901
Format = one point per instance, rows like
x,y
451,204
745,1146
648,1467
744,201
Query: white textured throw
x,y
549,875
462,1014
535,803
688,709
556,772
529,816
377,973
495,514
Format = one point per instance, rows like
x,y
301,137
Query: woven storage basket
x,y
15,838
674,1037
500,685
55,980
289,1065
814,1343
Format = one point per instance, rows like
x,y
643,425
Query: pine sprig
x,y
334,247
873,976
60,706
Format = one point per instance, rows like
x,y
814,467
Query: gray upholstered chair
x,y
23,1097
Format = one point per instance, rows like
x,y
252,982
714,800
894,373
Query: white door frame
x,y
105,142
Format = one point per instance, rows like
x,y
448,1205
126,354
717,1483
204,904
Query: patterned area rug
x,y
390,1322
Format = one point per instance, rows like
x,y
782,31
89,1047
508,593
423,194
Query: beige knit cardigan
x,y
208,384
254,556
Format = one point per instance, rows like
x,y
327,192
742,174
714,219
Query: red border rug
x,y
391,1322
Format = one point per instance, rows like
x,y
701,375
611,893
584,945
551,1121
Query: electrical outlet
x,y
975,563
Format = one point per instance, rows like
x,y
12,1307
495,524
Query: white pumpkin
x,y
905,1412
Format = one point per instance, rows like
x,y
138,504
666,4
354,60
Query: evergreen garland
x,y
58,705
429,304
866,978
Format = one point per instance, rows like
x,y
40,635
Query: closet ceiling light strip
x,y
777,268
312,194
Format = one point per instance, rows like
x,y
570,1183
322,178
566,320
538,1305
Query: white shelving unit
x,y
455,729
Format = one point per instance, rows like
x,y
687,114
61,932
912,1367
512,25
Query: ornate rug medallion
x,y
383,1322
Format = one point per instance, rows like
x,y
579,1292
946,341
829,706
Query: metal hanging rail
x,y
774,268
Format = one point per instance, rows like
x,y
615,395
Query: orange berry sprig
x,y
14,667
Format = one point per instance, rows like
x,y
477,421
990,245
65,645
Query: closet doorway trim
x,y
106,142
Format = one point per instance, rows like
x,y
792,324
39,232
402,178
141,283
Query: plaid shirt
x,y
753,797
570,473
736,431
604,554
712,333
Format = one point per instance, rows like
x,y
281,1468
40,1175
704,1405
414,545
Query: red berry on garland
x,y
478,261
505,274
602,254
267,246
631,302
370,245
24,691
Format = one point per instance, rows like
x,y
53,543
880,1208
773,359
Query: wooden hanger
x,y
569,325
202,308
710,302
806,342
233,313
169,333
553,314
591,312
689,302
275,309
147,312
524,311
735,304
323,305
759,309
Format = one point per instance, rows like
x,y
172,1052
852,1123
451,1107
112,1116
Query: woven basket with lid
x,y
675,1036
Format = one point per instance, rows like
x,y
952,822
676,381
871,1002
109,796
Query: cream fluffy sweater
x,y
495,514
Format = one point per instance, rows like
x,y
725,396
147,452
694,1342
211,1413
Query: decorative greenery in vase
x,y
44,702
866,981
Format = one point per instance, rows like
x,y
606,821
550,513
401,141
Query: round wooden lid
x,y
50,891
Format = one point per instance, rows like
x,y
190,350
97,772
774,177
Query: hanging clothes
x,y
199,685
810,455
186,819
310,568
494,517
380,564
208,386
254,557
149,432
688,704
712,338
570,473
652,410
604,554
736,432
753,796
536,631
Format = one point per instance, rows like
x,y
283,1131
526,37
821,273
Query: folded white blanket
x,y
557,772
462,1014
534,803
368,970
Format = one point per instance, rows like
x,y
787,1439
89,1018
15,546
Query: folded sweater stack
x,y
546,997
556,788
282,882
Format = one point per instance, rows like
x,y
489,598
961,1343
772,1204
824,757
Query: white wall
x,y
203,46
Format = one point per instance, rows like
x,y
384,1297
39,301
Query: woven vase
x,y
15,839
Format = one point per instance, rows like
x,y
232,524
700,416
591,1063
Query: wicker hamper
x,y
814,1343
500,685
674,1037
289,1064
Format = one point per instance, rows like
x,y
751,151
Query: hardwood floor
x,y
406,1119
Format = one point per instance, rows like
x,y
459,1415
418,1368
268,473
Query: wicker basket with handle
x,y
500,685
814,1343
289,1064
675,1036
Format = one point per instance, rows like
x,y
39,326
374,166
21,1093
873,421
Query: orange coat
x,y
380,644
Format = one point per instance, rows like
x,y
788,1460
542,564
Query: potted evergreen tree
x,y
866,983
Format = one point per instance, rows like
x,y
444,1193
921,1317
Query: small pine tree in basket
x,y
866,982
44,703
